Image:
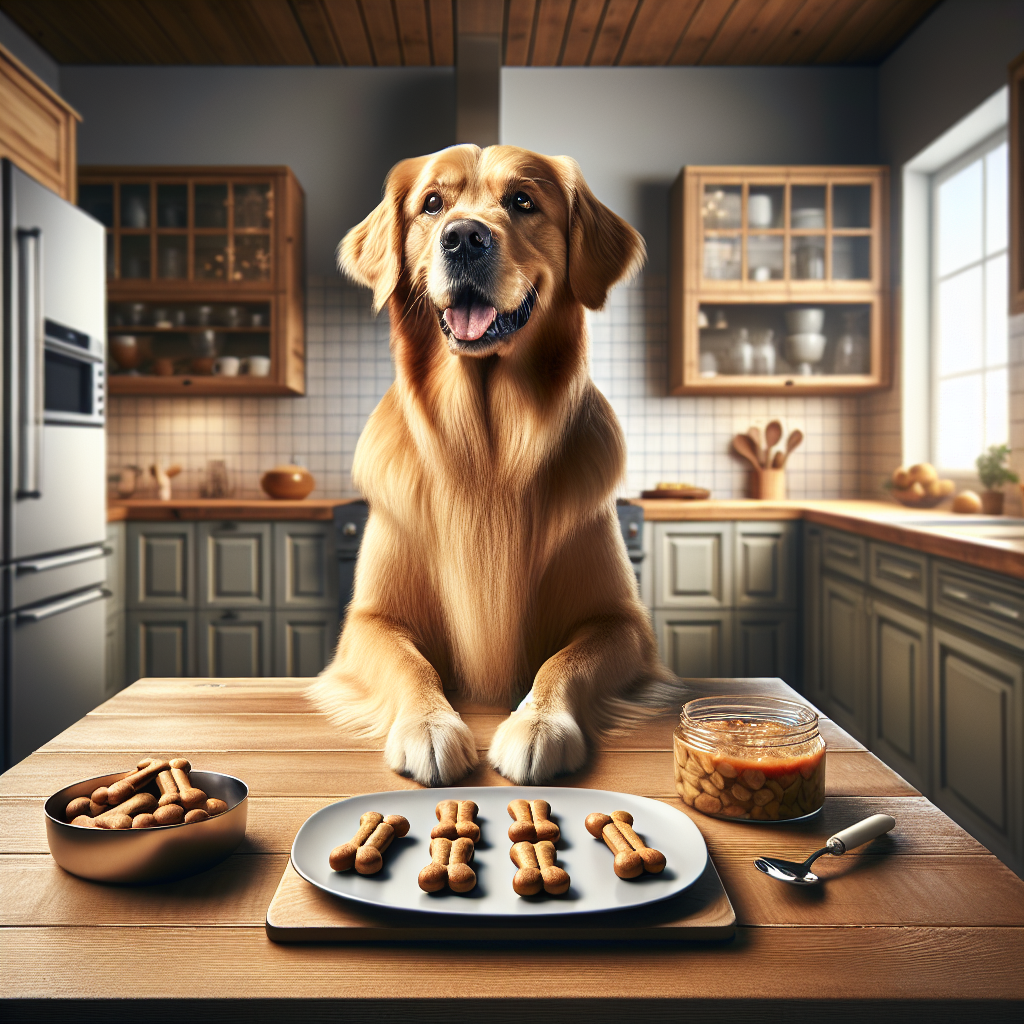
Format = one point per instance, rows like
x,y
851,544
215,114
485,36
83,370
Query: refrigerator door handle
x,y
59,561
66,605
30,363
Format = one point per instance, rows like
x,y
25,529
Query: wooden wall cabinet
x,y
1017,185
748,245
205,281
37,128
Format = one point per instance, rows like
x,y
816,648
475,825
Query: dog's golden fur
x,y
492,561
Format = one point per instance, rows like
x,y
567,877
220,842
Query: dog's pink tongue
x,y
468,323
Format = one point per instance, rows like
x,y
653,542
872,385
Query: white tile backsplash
x,y
348,369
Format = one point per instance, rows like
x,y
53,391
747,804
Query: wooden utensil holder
x,y
768,484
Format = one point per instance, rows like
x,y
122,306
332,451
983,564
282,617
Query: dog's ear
x,y
603,248
371,253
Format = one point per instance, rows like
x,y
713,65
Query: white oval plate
x,y
594,888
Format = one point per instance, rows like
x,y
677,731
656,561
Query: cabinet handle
x,y
59,561
1002,609
30,363
957,595
850,554
911,575
67,605
977,601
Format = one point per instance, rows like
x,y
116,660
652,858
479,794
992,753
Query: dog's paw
x,y
532,746
436,749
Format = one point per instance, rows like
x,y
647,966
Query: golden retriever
x,y
492,561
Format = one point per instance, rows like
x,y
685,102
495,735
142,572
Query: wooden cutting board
x,y
678,493
300,912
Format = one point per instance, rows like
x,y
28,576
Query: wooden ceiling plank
x,y
768,24
29,16
413,32
480,17
174,23
552,22
346,18
518,32
281,36
102,40
844,38
887,33
318,32
201,19
442,31
801,25
832,18
618,16
658,27
701,31
732,29
380,24
142,33
586,17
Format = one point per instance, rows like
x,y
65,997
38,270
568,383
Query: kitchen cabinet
x,y
204,278
898,649
811,666
750,245
1017,185
38,129
231,598
725,597
978,730
844,682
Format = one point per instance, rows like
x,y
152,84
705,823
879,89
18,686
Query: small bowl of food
x,y
160,821
919,486
750,758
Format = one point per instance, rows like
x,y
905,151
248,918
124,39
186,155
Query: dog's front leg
x,y
543,738
380,682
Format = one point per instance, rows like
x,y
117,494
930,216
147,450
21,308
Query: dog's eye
x,y
522,201
433,203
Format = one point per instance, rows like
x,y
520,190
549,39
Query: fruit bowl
x,y
912,500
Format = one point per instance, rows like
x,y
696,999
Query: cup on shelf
x,y
233,316
163,367
258,366
759,211
258,320
137,314
227,366
204,315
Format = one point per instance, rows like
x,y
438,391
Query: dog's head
x,y
493,240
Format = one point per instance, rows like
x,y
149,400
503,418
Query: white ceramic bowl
x,y
805,347
805,320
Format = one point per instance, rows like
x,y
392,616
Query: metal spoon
x,y
856,835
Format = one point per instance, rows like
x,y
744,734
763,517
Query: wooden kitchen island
x,y
923,924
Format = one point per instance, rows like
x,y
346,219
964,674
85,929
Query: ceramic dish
x,y
594,888
140,855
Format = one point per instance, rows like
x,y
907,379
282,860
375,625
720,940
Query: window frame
x,y
976,152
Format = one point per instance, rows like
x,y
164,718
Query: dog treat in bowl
x,y
364,851
753,758
632,855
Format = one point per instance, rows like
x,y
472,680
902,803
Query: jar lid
x,y
746,721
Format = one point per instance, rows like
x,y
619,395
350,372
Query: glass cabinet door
x,y
851,233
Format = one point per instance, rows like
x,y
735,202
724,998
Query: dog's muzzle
x,y
468,312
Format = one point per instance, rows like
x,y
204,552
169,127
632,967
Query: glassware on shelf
x,y
851,349
135,206
708,364
807,207
808,260
218,481
172,257
741,353
722,205
722,259
805,344
207,344
137,314
764,355
765,206
765,257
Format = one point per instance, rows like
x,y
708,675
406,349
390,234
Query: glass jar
x,y
752,758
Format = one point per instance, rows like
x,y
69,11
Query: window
x,y
970,377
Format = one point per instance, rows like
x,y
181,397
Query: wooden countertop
x,y
923,923
925,530
223,508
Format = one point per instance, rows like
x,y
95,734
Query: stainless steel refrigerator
x,y
52,515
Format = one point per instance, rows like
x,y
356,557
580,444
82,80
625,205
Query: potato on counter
x,y
919,486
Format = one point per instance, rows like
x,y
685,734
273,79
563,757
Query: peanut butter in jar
x,y
750,758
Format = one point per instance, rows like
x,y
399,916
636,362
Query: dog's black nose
x,y
467,238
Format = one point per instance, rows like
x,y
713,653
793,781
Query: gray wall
x,y
631,129
32,56
339,129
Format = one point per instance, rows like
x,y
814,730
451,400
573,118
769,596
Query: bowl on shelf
x,y
804,350
805,320
288,483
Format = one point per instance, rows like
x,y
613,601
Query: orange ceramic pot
x,y
288,482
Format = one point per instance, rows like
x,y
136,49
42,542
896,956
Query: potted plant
x,y
993,475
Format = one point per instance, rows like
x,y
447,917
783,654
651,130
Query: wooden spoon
x,y
772,436
792,442
755,435
744,447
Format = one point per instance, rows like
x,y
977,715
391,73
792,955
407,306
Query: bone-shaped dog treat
x,y
461,877
215,807
80,805
190,796
169,792
369,859
169,814
343,857
466,825
130,784
632,855
447,813
556,879
144,821
434,876
528,880
532,822
140,803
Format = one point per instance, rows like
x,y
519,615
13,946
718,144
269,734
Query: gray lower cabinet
x,y
304,641
161,565
764,643
693,565
161,643
765,561
234,565
843,649
978,726
306,573
898,677
233,642
812,614
695,644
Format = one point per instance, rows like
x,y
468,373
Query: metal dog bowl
x,y
136,856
